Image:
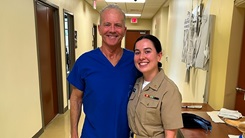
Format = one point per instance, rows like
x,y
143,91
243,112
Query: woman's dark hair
x,y
155,41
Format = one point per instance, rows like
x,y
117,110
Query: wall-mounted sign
x,y
134,20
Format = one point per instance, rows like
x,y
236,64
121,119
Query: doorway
x,y
49,60
240,94
94,33
70,45
132,36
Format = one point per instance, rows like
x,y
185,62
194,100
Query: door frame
x,y
71,44
61,108
94,34
240,94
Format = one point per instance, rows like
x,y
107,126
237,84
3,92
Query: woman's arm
x,y
170,133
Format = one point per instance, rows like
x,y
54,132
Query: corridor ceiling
x,y
147,9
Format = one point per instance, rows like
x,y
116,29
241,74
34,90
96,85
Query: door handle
x,y
240,90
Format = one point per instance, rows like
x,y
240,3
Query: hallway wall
x,y
143,24
225,52
19,83
168,25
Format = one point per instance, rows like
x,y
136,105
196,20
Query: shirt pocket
x,y
151,111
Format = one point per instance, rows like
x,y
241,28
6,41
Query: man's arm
x,y
75,111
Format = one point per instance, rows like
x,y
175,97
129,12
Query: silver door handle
x,y
240,89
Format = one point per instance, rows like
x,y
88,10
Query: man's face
x,y
112,27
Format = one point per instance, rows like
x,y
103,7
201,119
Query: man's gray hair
x,y
112,6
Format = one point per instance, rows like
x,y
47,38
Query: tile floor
x,y
59,127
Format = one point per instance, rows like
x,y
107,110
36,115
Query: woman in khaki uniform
x,y
154,108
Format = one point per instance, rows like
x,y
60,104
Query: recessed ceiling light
x,y
133,15
127,1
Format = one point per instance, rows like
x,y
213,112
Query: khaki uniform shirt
x,y
155,108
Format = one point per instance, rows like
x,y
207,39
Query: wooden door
x,y
132,36
240,95
47,61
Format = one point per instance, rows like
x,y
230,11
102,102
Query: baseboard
x,y
39,133
65,109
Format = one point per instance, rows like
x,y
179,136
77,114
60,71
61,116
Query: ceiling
x,y
147,9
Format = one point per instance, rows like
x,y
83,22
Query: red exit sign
x,y
134,20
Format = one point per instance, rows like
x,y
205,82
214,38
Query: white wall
x,y
168,26
143,24
19,83
225,52
160,30
194,90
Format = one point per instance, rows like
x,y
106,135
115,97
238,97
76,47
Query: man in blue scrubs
x,y
102,82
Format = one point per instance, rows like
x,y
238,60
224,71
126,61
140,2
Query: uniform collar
x,y
155,83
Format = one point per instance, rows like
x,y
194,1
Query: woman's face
x,y
146,57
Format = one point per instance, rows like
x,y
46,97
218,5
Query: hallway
x,y
20,66
59,127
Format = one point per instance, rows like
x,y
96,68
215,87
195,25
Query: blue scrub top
x,y
106,92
